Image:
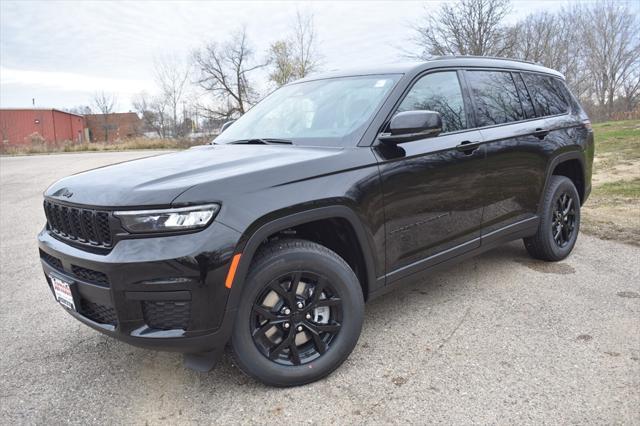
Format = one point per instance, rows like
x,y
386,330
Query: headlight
x,y
180,219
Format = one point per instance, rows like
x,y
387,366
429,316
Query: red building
x,y
29,126
114,126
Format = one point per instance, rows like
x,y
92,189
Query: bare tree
x,y
223,70
611,41
305,50
153,112
631,89
105,104
296,56
171,76
468,27
551,40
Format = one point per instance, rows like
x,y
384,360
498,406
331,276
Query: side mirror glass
x,y
412,125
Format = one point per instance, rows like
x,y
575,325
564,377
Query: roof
x,y
437,62
40,109
114,114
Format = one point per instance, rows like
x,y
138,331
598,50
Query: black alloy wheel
x,y
296,318
564,219
559,221
299,316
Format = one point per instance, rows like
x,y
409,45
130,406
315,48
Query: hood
x,y
158,180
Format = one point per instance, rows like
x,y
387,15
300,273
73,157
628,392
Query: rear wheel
x,y
300,315
560,222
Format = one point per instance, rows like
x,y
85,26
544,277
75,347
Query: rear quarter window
x,y
547,94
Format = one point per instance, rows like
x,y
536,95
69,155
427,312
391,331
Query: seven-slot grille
x,y
82,225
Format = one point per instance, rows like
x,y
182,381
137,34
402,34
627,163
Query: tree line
x,y
596,46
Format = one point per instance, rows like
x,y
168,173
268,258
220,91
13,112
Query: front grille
x,y
80,225
90,275
99,313
51,260
166,315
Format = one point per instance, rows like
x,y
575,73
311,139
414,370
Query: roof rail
x,y
437,58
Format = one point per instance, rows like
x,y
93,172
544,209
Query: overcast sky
x,y
60,53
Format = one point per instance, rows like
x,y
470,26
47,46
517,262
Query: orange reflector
x,y
232,270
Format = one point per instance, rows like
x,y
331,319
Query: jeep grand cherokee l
x,y
328,193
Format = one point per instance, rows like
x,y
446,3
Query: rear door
x,y
515,148
553,104
433,186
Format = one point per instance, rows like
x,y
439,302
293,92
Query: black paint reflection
x,y
547,94
438,92
495,96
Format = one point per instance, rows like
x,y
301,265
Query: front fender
x,y
261,229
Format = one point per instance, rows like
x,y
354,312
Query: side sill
x,y
417,271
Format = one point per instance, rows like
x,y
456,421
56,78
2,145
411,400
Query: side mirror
x,y
226,125
412,125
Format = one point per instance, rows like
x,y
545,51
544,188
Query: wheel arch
x,y
569,164
256,235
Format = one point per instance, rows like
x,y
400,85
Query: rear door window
x,y
440,92
495,97
546,93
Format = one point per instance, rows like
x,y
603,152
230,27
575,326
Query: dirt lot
x,y
498,339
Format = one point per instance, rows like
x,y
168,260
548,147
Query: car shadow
x,y
162,373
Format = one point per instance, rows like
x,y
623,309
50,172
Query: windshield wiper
x,y
262,141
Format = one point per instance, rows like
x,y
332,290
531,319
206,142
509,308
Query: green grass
x,y
620,139
620,188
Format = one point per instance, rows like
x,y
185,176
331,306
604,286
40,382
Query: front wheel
x,y
560,222
300,316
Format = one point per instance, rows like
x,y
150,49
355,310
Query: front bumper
x,y
165,293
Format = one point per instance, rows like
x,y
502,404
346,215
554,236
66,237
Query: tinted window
x,y
495,97
546,93
525,99
439,92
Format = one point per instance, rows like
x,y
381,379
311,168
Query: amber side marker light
x,y
232,270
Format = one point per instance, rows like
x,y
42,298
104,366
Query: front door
x,y
433,186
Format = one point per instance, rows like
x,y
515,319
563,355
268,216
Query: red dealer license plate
x,y
62,290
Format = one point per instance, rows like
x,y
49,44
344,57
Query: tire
x,y
264,346
558,229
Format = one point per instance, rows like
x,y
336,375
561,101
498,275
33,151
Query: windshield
x,y
320,112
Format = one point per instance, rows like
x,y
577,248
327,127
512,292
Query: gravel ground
x,y
497,339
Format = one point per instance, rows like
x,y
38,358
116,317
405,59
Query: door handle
x,y
541,133
468,147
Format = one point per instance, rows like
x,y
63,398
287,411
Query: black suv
x,y
328,193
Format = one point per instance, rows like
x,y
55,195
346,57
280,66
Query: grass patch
x,y
618,138
621,188
611,212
